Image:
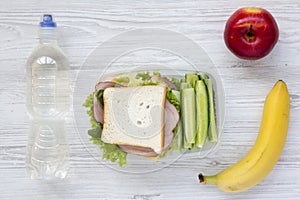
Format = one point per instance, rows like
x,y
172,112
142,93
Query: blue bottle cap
x,y
47,21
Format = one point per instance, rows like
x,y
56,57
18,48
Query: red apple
x,y
251,33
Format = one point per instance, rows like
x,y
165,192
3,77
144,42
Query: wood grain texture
x,y
86,24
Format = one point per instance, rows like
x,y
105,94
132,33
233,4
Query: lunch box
x,y
145,50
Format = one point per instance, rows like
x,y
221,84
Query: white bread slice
x,y
134,116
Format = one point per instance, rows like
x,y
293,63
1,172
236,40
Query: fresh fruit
x,y
261,159
251,33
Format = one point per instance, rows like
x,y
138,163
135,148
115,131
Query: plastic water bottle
x,y
48,105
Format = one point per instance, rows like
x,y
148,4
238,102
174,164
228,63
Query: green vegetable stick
x,y
177,143
184,85
212,133
204,77
202,113
188,113
191,79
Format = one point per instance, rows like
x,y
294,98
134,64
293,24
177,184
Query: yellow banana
x,y
263,156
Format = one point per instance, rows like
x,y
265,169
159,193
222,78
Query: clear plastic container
x,y
219,100
146,50
48,104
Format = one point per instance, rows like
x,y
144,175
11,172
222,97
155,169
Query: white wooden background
x,y
84,25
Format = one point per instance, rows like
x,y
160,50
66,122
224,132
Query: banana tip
x,y
201,178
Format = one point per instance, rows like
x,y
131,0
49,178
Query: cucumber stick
x,y
184,85
202,112
204,77
212,133
177,143
191,79
188,113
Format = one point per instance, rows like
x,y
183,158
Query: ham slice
x,y
169,83
142,151
98,108
171,120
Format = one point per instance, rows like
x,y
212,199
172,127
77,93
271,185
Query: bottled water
x,y
48,105
48,153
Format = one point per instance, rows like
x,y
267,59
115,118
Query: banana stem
x,y
207,179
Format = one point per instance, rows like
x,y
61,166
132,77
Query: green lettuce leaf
x,y
111,152
99,96
123,80
89,103
143,76
173,99
95,132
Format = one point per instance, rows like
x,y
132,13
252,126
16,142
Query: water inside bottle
x,y
43,85
49,87
49,151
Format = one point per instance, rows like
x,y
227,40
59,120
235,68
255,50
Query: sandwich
x,y
136,118
142,115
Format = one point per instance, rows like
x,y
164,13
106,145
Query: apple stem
x,y
250,32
